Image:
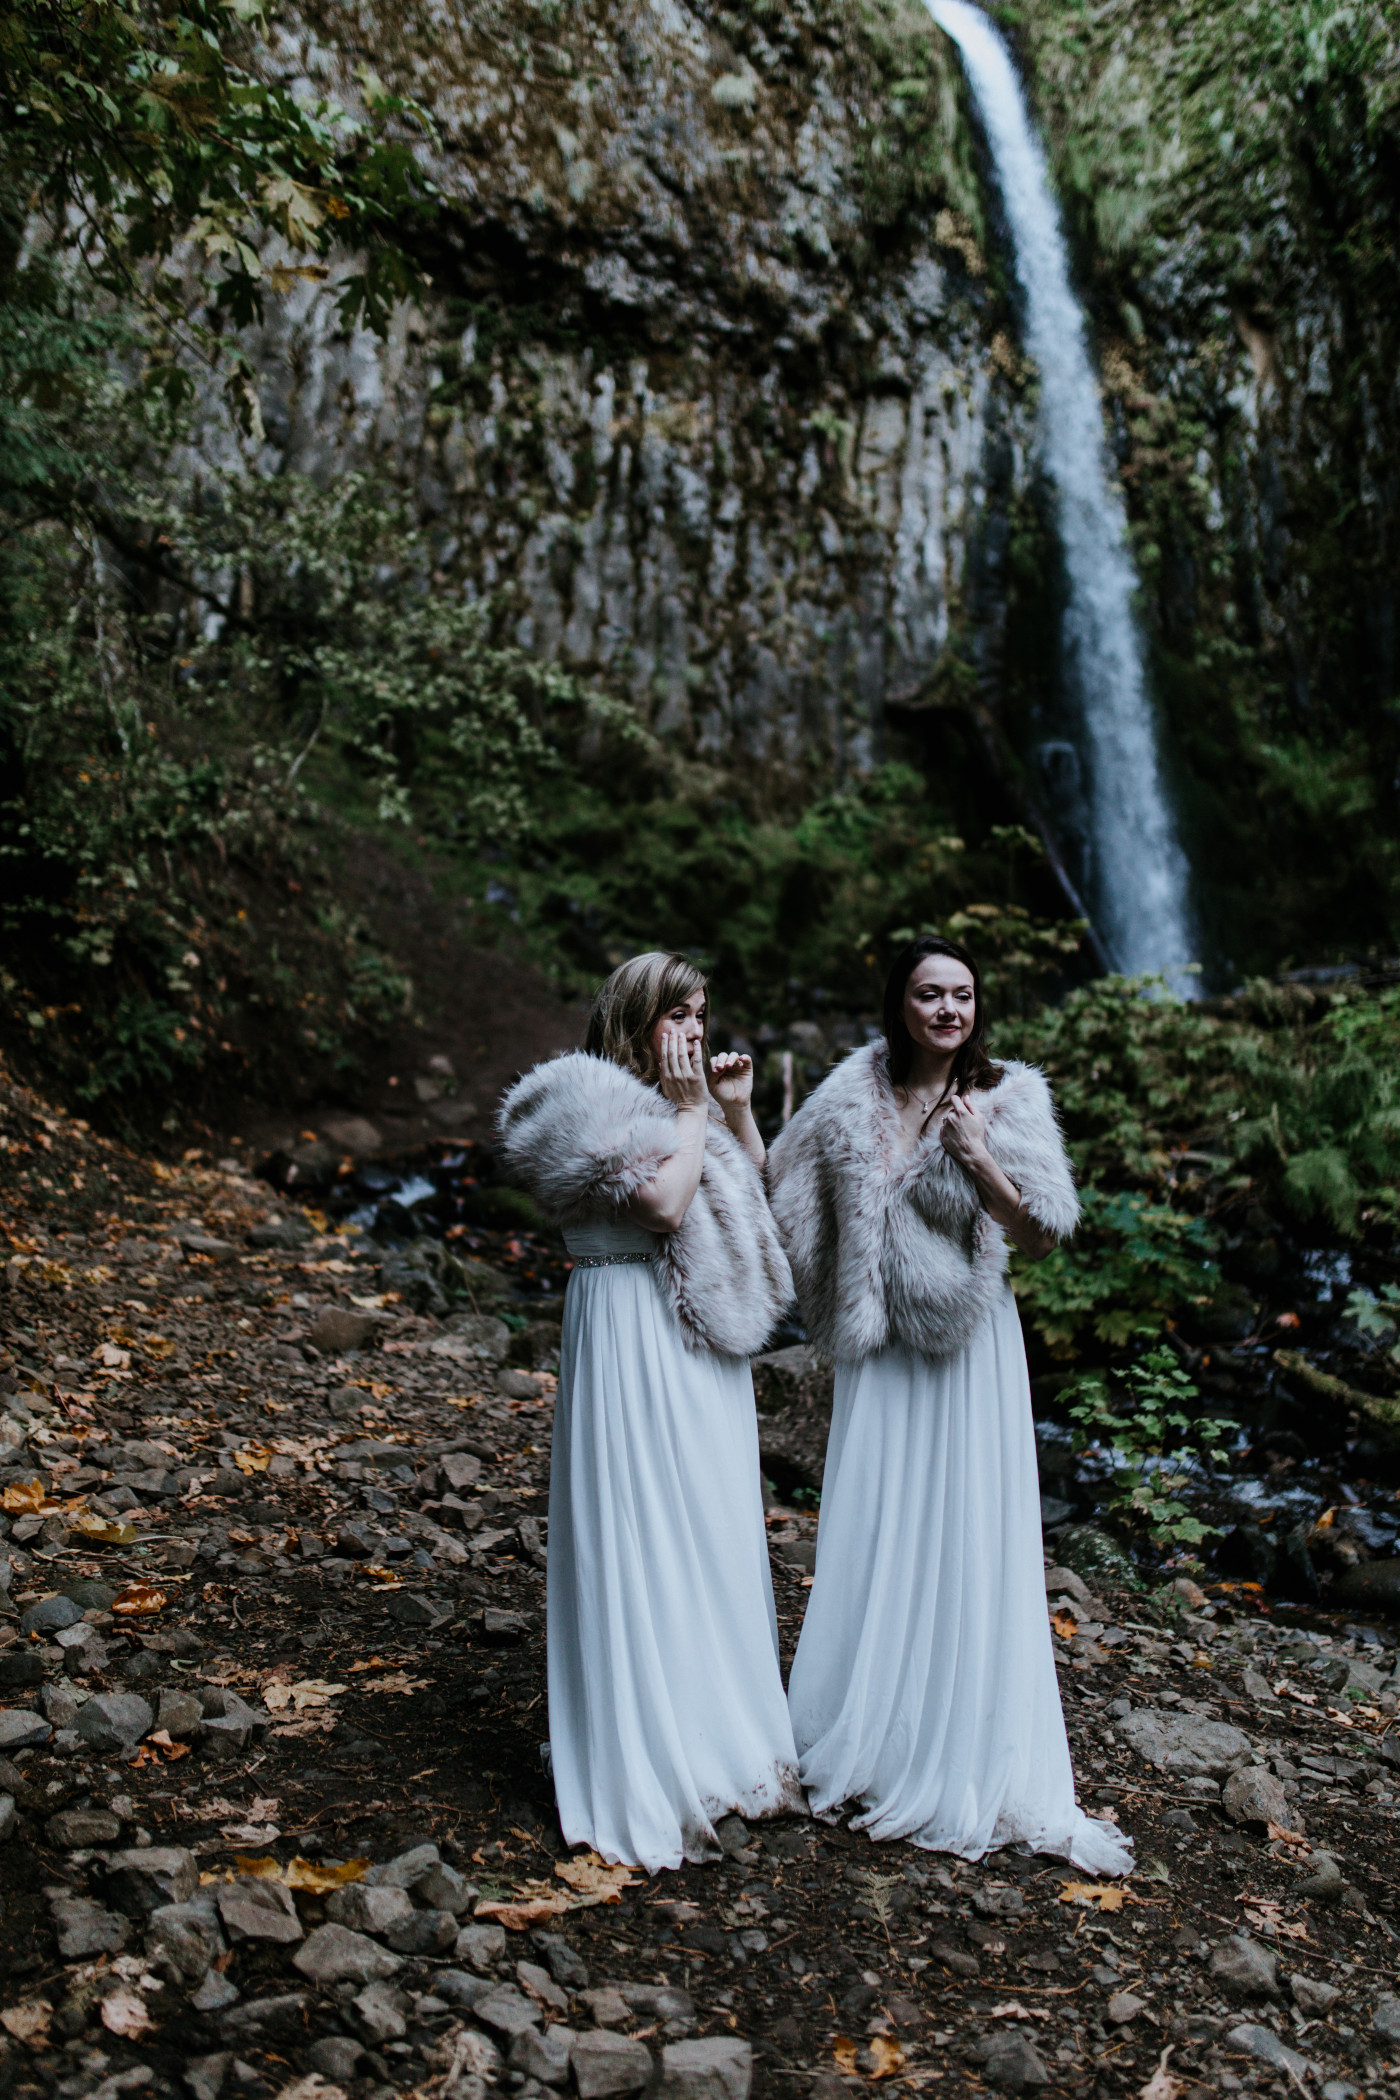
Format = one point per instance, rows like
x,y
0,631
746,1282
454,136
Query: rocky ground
x,y
274,1811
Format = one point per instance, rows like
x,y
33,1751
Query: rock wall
x,y
713,394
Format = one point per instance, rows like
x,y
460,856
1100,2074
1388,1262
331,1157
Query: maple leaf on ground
x,y
1103,1893
889,2057
310,1692
533,1905
320,1880
593,1880
1065,1625
138,1599
844,2050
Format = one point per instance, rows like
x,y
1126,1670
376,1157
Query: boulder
x,y
114,1720
334,1955
74,1829
146,1877
544,2057
604,2064
1252,1795
365,1909
21,1730
1243,1969
337,1330
49,1615
254,1909
1183,1743
185,1940
718,2067
85,1929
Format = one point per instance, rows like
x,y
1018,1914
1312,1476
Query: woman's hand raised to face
x,y
731,1079
682,1071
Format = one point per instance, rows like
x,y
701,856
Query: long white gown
x,y
924,1683
666,1707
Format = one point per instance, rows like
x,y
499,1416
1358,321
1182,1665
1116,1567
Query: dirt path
x,y
273,1603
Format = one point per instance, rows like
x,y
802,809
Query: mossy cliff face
x,y
1231,175
714,393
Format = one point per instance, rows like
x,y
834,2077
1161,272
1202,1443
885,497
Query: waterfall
x,y
1138,875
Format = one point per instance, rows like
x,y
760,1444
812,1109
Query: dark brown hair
x,y
628,1007
971,1065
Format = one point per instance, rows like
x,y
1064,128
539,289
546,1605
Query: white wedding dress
x,y
666,1707
924,1684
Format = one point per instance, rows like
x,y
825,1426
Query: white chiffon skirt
x,y
924,1684
666,1707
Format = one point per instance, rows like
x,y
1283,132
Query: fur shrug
x,y
886,1249
583,1135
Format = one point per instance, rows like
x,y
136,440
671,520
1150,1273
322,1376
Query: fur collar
x,y
582,1135
892,1249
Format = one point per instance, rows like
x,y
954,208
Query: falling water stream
x,y
1137,875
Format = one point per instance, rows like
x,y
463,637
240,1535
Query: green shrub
x,y
1147,1425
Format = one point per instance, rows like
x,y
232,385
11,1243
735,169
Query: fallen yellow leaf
x,y
376,1662
397,1681
137,1599
23,1495
268,1869
311,1691
519,1913
159,1346
844,2050
1065,1625
889,2057
113,1358
320,1880
255,1458
595,1881
104,1534
1103,1893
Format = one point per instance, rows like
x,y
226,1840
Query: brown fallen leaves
x,y
137,1600
308,1874
590,1879
1103,1893
886,2055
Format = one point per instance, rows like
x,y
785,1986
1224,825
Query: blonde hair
x,y
628,1007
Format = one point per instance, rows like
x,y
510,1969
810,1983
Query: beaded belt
x,y
607,1261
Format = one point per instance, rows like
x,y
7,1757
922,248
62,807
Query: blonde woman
x,y
666,1709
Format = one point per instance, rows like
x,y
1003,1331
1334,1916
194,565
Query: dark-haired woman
x,y
666,1708
924,1686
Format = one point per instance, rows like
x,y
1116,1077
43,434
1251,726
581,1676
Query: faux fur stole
x,y
582,1135
887,1249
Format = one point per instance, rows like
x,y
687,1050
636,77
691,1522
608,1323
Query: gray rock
x,y
482,1946
230,1724
1263,2043
405,1870
147,1877
1253,1795
214,1994
1122,2007
1374,1585
74,1828
20,1669
1255,1686
717,2067
506,2012
462,1469
366,1909
1183,1743
334,1955
21,1730
9,1817
205,2075
540,1985
604,2064
1311,1997
560,1959
607,2006
259,2016
49,1615
253,1909
412,1610
85,1929
180,1715
381,2012
733,1835
183,1938
1244,1969
658,2001
1325,1884
1386,2018
1013,2061
114,1721
998,1902
425,1932
545,2056
455,1987
336,2057
338,1330
443,1888
59,1707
